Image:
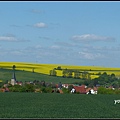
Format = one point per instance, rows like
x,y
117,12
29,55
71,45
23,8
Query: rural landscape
x,y
45,90
59,60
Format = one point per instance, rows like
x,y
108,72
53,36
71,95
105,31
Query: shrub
x,y
77,92
65,90
102,90
117,91
43,90
48,89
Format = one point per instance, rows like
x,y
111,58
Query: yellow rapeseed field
x,y
45,68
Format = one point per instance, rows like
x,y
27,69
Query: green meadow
x,y
55,105
6,74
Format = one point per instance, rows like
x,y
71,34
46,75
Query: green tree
x,y
84,75
22,89
102,90
65,90
77,74
67,73
70,87
29,87
59,68
46,89
1,84
13,67
15,88
115,84
53,72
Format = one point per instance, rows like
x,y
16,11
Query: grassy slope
x,y
6,74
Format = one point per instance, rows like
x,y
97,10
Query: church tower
x,y
13,80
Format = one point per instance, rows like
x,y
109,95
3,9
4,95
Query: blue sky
x,y
71,33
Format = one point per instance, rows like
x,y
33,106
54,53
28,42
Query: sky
x,y
82,33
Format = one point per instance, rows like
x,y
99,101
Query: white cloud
x,y
55,47
40,25
58,54
65,44
92,37
7,38
11,38
91,56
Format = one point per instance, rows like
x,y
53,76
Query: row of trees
x,y
67,73
84,75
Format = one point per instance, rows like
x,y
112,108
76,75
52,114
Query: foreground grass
x,y
55,105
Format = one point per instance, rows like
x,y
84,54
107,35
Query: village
x,y
58,88
42,87
105,84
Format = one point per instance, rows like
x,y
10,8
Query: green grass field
x,y
55,105
6,74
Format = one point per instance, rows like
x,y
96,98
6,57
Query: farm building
x,y
81,89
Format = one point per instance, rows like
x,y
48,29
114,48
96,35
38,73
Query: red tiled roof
x,y
80,89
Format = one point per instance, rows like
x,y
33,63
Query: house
x,y
111,87
65,85
60,91
4,89
81,89
92,90
19,83
73,90
5,85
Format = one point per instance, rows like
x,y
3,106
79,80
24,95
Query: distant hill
x,y
24,71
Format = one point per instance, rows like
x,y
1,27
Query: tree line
x,y
104,79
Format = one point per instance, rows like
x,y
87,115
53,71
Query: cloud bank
x,y
11,38
92,37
